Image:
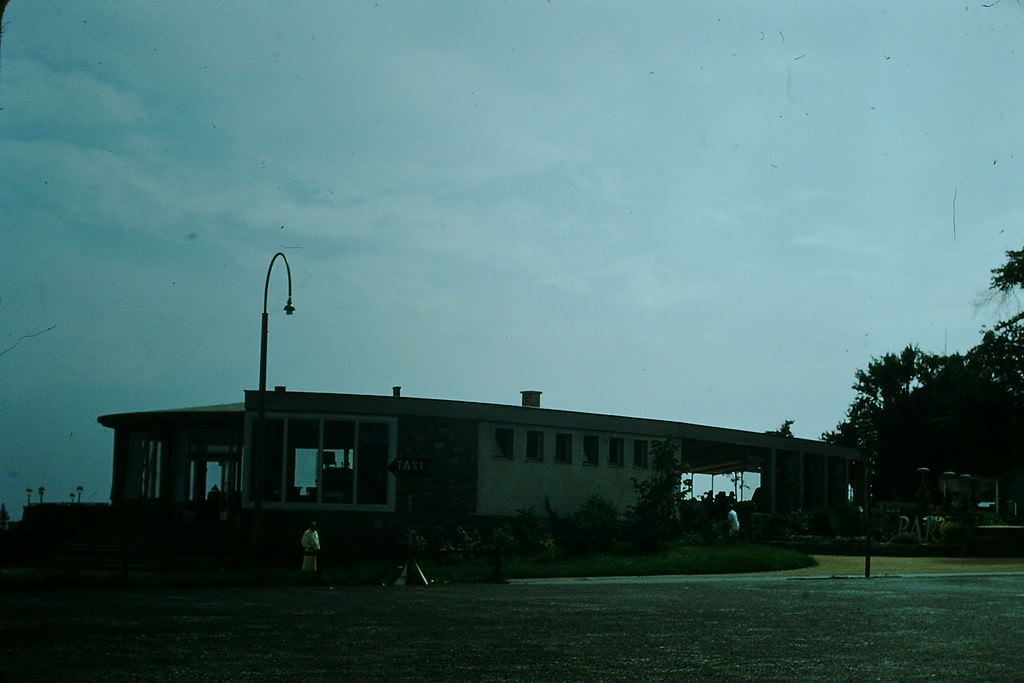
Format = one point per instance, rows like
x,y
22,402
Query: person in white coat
x,y
310,550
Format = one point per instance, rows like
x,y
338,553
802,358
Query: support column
x,y
801,480
826,476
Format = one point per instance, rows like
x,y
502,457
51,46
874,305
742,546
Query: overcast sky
x,y
712,212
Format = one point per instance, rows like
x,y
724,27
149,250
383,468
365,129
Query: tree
x,y
1001,351
3,6
958,413
655,515
914,410
785,429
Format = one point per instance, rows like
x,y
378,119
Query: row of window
x,y
570,448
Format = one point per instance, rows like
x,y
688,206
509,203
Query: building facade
x,y
381,461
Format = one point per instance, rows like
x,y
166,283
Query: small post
x,y
868,530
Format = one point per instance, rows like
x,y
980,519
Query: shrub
x,y
530,533
823,523
593,527
905,538
953,532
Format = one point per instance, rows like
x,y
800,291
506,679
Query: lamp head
x,y
288,308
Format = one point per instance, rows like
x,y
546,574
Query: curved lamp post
x,y
261,429
288,309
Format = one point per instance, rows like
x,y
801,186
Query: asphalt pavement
x,y
925,620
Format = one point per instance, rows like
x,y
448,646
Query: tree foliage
x,y
785,429
960,413
655,515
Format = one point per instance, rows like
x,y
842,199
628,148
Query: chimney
x,y
531,399
396,391
279,388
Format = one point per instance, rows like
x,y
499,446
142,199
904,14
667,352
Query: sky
x,y
710,212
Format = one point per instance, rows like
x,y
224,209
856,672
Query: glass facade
x,y
323,461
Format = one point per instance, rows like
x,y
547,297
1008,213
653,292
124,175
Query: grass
x,y
673,560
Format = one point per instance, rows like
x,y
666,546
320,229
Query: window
x,y
214,468
535,446
590,446
302,454
314,460
145,463
337,461
563,448
503,443
616,451
267,461
640,454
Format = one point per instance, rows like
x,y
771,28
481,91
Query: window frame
x,y
282,463
563,447
591,450
616,451
534,445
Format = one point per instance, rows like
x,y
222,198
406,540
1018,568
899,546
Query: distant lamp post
x,y
966,492
924,496
947,477
261,429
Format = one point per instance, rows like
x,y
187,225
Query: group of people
x,y
714,505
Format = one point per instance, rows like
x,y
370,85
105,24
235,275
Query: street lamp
x,y
260,447
966,491
924,498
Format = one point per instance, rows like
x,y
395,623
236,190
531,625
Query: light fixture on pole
x,y
259,451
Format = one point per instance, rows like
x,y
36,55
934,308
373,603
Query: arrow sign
x,y
408,467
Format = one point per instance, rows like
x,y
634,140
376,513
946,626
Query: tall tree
x,y
960,413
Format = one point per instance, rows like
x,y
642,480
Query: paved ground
x,y
834,565
915,620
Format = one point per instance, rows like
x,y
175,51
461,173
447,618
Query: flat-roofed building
x,y
378,461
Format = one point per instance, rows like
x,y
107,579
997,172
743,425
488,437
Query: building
x,y
381,462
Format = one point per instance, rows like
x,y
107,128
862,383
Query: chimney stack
x,y
531,399
396,392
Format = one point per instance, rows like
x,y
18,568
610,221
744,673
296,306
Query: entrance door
x,y
212,488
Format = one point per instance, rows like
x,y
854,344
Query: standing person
x,y
310,550
734,521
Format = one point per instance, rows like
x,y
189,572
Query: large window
x,y
302,456
214,472
145,465
329,461
338,461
